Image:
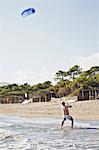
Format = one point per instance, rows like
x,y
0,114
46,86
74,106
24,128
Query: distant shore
x,y
82,110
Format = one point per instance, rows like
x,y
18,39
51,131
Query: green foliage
x,y
76,92
64,86
46,85
60,75
74,71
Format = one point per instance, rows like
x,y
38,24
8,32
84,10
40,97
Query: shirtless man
x,y
66,114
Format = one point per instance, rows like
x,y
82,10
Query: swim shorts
x,y
68,117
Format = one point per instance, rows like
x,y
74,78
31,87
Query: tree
x,y
46,84
81,81
60,75
74,72
61,92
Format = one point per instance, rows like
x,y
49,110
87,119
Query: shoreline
x,y
81,110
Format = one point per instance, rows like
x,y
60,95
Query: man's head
x,y
63,103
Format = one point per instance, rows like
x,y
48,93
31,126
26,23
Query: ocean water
x,y
45,134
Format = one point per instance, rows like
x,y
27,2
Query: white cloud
x,y
45,75
23,77
88,61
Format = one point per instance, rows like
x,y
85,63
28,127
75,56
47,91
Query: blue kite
x,y
28,12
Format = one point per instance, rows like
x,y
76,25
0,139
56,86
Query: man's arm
x,y
69,106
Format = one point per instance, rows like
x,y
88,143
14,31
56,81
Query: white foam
x,y
4,124
10,139
82,124
45,133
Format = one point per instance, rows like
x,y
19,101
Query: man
x,y
66,114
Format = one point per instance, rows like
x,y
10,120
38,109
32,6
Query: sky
x,y
60,34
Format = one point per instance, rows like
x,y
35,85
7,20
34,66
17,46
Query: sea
x,y
19,133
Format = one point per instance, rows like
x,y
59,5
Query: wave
x,y
45,133
12,140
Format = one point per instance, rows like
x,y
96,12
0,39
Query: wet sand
x,y
82,110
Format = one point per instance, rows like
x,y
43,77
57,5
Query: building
x,y
5,99
44,96
89,94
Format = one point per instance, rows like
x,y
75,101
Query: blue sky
x,y
60,34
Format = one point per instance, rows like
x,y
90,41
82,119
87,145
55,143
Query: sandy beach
x,y
82,110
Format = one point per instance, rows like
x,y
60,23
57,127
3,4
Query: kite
x,y
28,12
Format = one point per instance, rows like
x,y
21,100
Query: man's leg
x,y
72,121
63,123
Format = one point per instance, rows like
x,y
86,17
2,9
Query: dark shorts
x,y
68,117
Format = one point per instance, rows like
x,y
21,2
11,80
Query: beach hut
x,y
89,94
43,96
11,99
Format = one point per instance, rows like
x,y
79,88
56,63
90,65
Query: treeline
x,y
67,82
